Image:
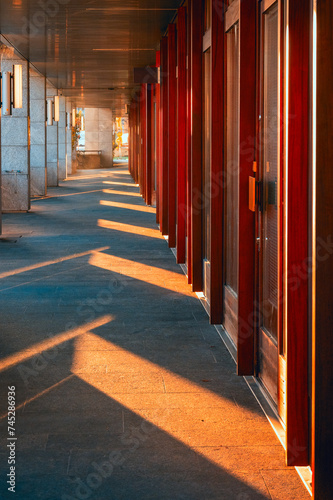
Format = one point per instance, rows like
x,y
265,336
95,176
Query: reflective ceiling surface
x,y
88,48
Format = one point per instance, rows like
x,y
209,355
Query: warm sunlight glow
x,y
49,343
78,177
159,396
119,183
143,272
74,194
122,193
314,167
138,208
49,263
126,228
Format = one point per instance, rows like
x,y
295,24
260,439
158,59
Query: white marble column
x,y
69,137
62,174
38,133
52,144
15,157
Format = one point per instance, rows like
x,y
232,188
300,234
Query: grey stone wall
x,y
99,127
38,134
52,144
62,174
69,139
15,157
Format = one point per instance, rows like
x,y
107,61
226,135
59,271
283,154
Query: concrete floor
x,y
123,389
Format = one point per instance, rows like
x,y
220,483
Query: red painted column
x,y
158,166
164,178
297,235
189,144
135,140
196,143
149,144
181,136
322,354
217,159
172,141
246,233
143,130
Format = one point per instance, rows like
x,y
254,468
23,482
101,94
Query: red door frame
x,y
246,238
217,160
189,144
322,403
158,154
172,138
149,144
164,175
181,136
297,235
143,132
197,16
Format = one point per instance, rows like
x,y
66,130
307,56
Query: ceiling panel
x,y
87,47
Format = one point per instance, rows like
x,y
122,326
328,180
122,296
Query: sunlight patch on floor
x,y
143,272
119,183
127,206
158,395
127,228
123,193
20,270
52,342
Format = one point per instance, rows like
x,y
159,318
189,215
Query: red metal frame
x,y
322,402
164,176
197,16
297,252
189,144
181,136
246,238
158,154
149,145
143,133
217,159
172,140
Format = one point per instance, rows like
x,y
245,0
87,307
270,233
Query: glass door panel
x,y
232,183
206,170
269,217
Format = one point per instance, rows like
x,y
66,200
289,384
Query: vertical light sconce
x,y
18,86
7,101
6,93
82,123
56,108
69,119
49,112
73,117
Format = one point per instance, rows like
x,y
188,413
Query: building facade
x,y
234,140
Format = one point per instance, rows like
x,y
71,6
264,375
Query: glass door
x,y
206,160
231,192
269,236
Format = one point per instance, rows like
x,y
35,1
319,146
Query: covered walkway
x,y
124,390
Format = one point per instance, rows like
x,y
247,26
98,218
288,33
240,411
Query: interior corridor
x,y
124,390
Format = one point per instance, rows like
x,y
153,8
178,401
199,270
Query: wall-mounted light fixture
x,y
18,86
56,108
12,90
73,117
49,111
53,110
69,120
82,124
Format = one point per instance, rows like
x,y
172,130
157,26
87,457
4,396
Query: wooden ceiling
x,y
88,48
